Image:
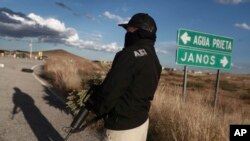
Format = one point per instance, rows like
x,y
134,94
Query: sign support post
x,y
184,83
217,89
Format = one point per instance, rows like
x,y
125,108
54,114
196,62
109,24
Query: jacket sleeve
x,y
116,82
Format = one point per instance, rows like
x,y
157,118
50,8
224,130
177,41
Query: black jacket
x,y
129,86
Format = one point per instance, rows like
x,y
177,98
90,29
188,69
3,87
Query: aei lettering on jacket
x,y
140,53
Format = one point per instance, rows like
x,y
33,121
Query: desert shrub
x,y
75,99
63,74
46,74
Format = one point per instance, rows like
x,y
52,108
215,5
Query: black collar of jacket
x,y
143,34
132,38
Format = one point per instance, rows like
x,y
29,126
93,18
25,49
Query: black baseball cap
x,y
142,21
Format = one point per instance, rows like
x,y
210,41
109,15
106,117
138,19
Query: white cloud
x,y
72,35
95,36
84,44
161,51
167,44
98,35
234,2
50,22
166,47
112,47
18,25
243,26
116,18
19,18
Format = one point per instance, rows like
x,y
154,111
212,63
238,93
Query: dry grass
x,y
68,72
63,73
172,119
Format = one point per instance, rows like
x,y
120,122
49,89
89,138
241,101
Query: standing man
x,y
130,85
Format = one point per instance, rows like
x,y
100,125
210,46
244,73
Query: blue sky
x,y
89,28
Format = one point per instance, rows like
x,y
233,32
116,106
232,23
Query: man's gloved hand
x,y
95,97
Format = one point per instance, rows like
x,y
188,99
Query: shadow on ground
x,y
96,128
55,101
41,127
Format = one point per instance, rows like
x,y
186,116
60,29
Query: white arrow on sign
x,y
185,38
224,61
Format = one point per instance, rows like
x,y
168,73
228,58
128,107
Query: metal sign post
x,y
217,85
184,83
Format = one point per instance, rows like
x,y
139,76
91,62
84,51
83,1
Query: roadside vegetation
x,y
71,76
67,72
171,119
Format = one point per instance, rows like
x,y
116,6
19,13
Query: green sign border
x,y
229,57
193,32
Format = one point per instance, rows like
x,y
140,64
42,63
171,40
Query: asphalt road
x,y
28,110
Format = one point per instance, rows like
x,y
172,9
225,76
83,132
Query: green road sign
x,y
191,57
204,41
203,49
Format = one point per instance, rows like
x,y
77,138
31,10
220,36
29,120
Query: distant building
x,y
197,72
168,69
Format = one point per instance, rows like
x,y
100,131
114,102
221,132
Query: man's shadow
x,y
40,126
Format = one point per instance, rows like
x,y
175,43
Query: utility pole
x,y
30,45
